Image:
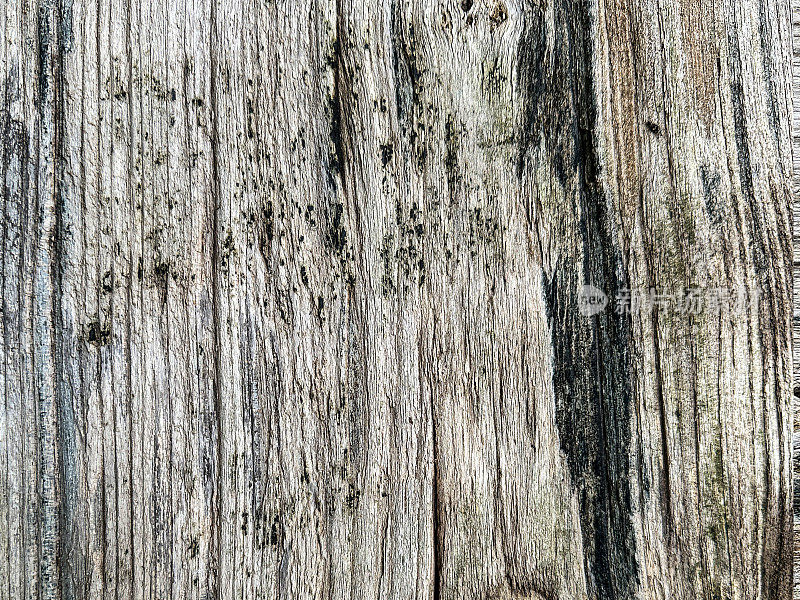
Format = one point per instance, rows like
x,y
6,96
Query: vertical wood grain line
x,y
795,132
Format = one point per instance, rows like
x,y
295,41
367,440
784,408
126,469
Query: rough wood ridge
x,y
289,299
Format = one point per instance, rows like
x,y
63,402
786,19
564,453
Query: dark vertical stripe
x,y
213,431
592,371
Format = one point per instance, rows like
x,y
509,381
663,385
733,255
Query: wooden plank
x,y
796,280
291,299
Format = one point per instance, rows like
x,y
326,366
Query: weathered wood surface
x,y
796,281
290,299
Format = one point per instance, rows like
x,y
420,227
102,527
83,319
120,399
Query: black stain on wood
x,y
408,76
766,35
593,409
276,532
711,182
54,40
406,70
743,149
161,273
336,236
107,284
97,335
337,161
451,166
16,152
266,229
549,84
652,127
59,472
339,96
44,35
387,152
592,370
352,497
66,37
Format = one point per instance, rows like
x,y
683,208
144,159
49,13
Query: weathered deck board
x,y
290,299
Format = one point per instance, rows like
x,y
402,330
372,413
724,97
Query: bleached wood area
x,y
290,299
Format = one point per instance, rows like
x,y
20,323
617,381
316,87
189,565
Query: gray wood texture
x,y
796,281
290,299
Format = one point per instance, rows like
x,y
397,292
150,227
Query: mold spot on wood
x,y
276,532
97,335
499,15
387,259
408,80
710,179
336,157
107,284
161,272
451,165
652,127
352,497
265,228
194,548
387,151
336,235
483,230
228,250
402,253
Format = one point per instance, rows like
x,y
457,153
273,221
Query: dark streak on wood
x,y
214,434
591,356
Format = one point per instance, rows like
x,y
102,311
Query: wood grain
x,y
290,299
796,280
